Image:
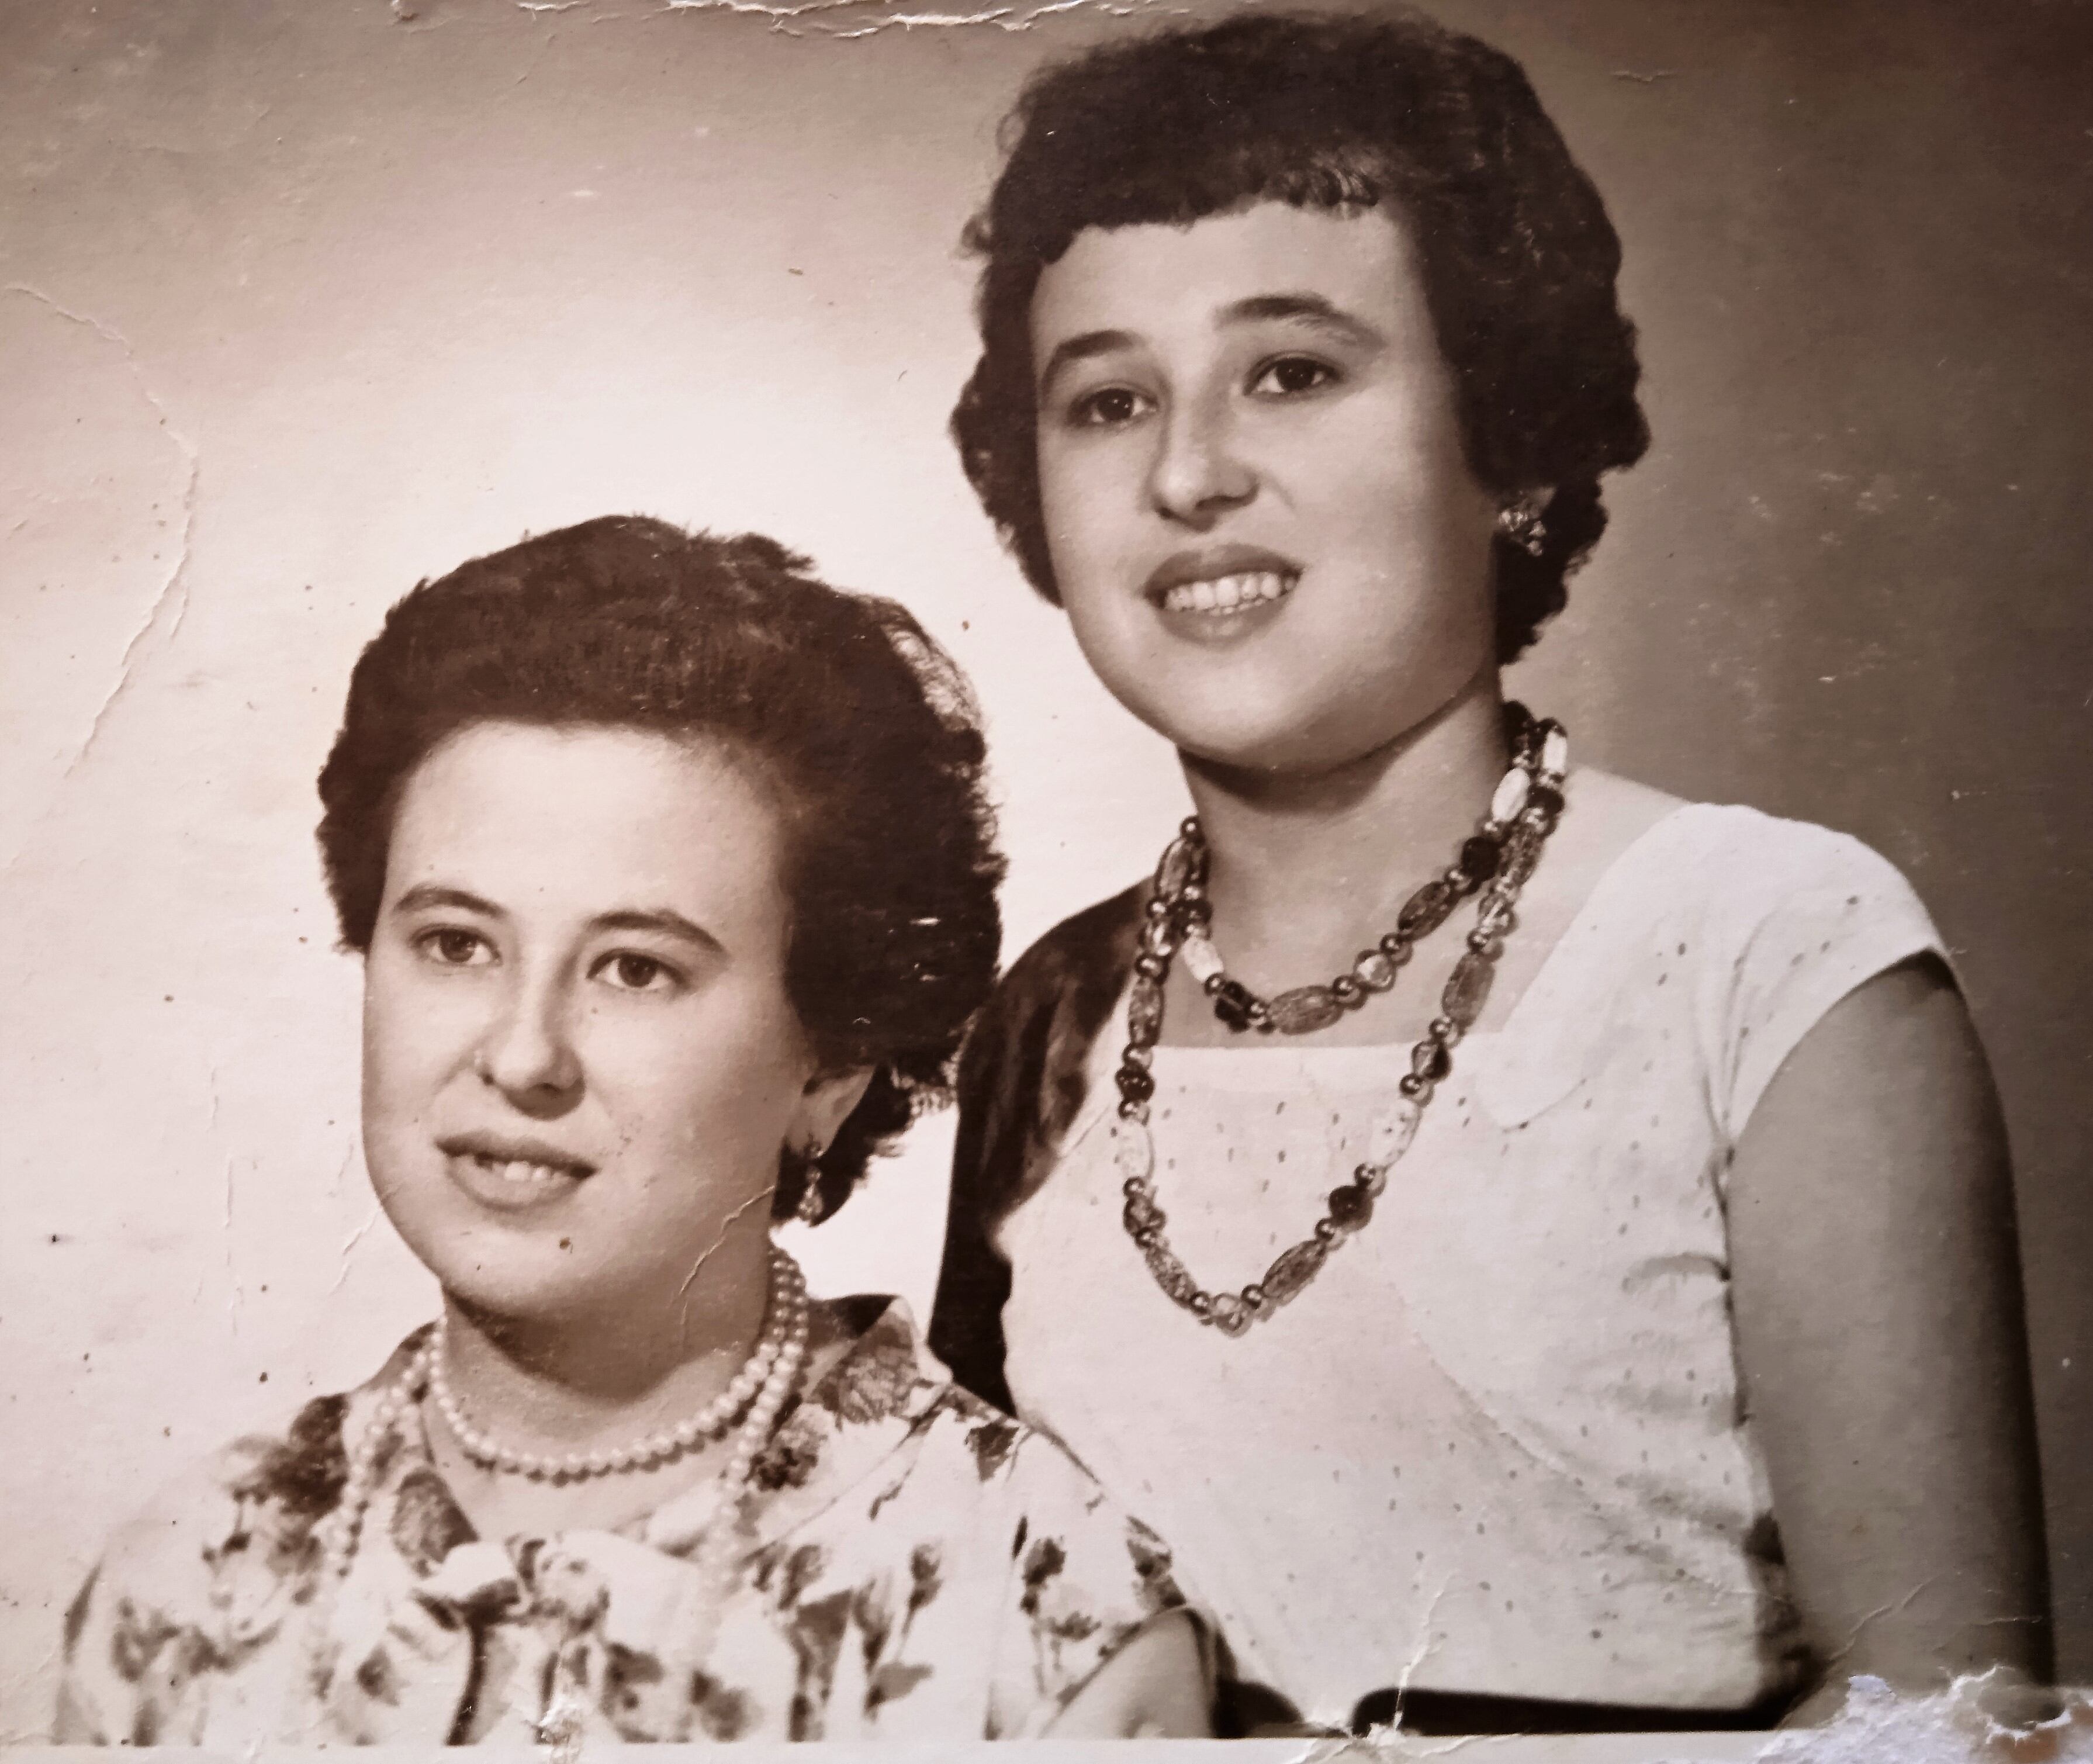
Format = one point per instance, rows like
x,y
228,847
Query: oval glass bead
x,y
1426,909
1480,855
1430,1061
1200,959
1554,749
1522,852
1292,1271
1230,1315
1467,988
1159,938
1170,1274
1374,969
1144,1012
1179,865
1305,1010
1511,796
1135,1152
1393,1131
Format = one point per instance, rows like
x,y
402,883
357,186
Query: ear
x,y
827,1101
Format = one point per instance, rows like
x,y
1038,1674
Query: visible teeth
x,y
1224,594
517,1171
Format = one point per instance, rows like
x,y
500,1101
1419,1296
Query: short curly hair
x,y
1342,114
863,730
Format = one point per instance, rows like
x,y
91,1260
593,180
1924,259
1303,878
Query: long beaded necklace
x,y
1496,860
764,1385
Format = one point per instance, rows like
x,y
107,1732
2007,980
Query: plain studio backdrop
x,y
305,302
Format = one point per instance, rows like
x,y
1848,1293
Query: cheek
x,y
417,1037
1084,502
395,1053
721,1078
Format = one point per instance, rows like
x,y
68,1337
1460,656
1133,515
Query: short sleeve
x,y
1810,915
1084,1579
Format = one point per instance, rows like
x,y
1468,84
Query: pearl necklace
x,y
1501,853
708,1423
764,1385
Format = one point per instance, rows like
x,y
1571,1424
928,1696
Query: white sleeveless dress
x,y
1498,1446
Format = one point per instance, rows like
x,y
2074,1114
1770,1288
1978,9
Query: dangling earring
x,y
812,1209
1520,520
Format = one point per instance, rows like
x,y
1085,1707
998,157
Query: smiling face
x,y
1262,521
580,1060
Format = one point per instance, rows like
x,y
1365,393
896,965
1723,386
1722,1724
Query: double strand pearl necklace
x,y
1496,860
764,1385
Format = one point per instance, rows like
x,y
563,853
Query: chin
x,y
522,1288
1285,743
493,1269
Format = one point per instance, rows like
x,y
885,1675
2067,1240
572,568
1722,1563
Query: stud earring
x,y
812,1209
1520,520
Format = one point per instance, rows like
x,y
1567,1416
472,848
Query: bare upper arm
x,y
1876,1285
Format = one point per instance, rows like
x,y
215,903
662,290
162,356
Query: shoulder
x,y
1763,925
1741,847
250,1506
884,1373
298,1469
1085,951
1784,904
1726,865
1021,1070
254,1500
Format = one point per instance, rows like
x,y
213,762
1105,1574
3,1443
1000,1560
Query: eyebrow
x,y
1311,310
664,920
424,895
1083,348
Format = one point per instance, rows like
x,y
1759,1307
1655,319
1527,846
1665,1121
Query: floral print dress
x,y
916,1566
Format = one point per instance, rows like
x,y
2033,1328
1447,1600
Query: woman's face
x,y
579,1057
1260,516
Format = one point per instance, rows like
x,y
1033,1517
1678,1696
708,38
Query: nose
x,y
1199,472
528,1052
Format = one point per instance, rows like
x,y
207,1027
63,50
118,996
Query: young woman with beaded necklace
x,y
673,881
1542,1251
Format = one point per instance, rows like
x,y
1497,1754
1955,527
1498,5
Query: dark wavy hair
x,y
1344,113
862,729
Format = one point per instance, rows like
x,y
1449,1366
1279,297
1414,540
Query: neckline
x,y
849,1445
1277,1050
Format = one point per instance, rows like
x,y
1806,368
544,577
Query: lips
x,y
504,1171
1222,582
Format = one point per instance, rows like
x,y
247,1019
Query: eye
x,y
1108,408
629,971
449,946
1290,376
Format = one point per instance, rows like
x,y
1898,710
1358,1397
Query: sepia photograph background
x,y
303,303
